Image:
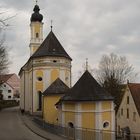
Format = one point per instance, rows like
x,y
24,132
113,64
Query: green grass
x,y
8,103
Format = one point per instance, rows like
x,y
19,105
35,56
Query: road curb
x,y
33,130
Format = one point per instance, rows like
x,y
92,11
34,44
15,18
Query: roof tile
x,y
4,78
51,47
135,92
87,89
57,87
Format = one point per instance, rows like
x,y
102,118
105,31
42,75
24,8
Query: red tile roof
x,y
4,78
135,92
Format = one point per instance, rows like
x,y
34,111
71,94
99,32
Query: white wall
x,y
122,120
7,91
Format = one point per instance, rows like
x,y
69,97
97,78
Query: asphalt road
x,y
12,127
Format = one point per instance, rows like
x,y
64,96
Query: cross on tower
x,y
36,2
86,63
51,24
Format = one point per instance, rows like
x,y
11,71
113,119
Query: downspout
x,y
43,107
70,76
32,86
24,90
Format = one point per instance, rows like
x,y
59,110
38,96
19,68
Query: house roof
x,y
4,78
87,89
51,47
57,87
135,92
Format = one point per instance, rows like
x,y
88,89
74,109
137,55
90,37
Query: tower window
x,y
37,35
127,115
39,78
127,99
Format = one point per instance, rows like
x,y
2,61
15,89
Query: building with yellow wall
x,y
48,61
88,106
50,97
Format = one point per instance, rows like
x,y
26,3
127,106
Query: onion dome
x,y
36,16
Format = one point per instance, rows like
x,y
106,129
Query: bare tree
x,y
116,67
3,52
3,59
113,72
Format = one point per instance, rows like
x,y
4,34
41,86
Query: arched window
x,y
71,125
37,35
39,100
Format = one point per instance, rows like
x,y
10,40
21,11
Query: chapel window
x,y
106,124
71,125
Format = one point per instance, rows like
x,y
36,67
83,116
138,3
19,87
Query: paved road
x,y
12,127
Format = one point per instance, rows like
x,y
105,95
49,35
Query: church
x,y
48,61
46,88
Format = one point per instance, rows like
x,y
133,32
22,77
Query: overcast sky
x,y
85,28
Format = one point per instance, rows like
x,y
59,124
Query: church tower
x,y
36,28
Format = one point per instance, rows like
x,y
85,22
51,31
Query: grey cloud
x,y
85,28
16,4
